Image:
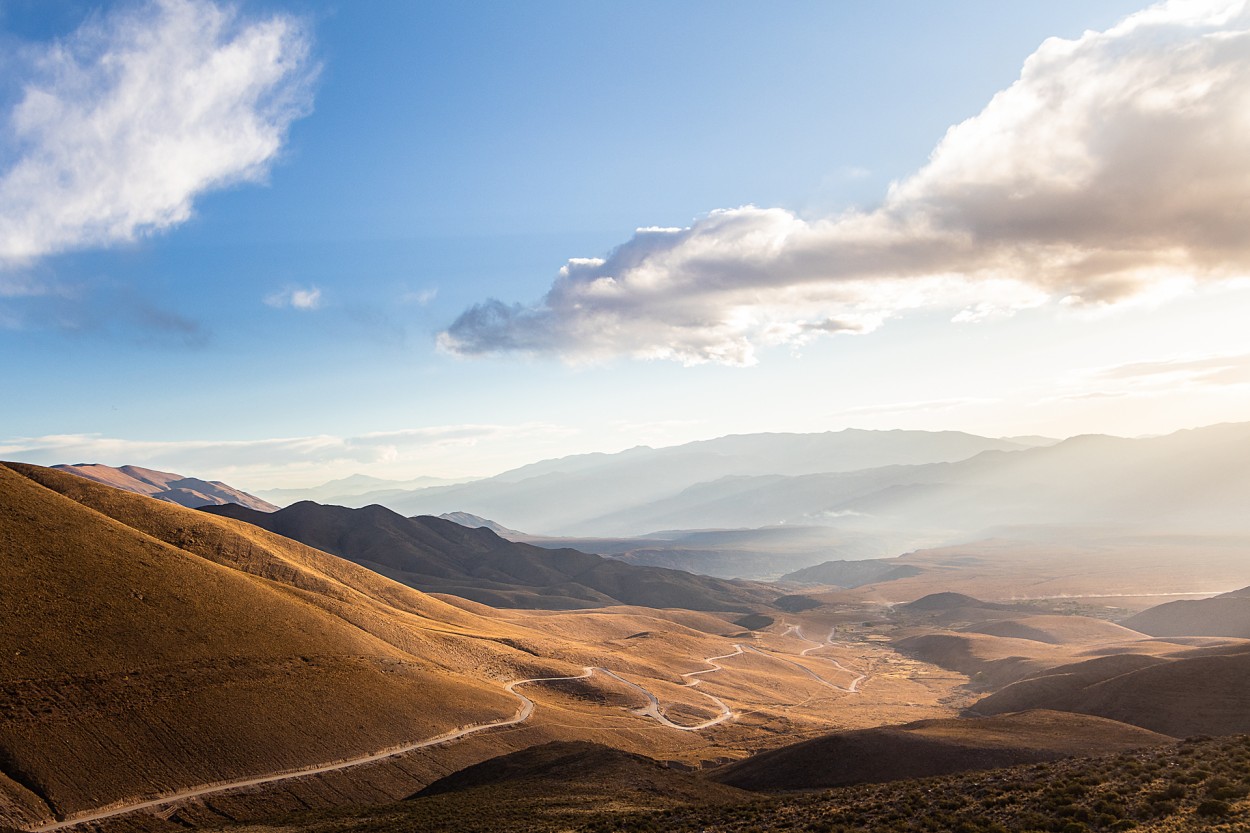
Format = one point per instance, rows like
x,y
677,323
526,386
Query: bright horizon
x,y
434,241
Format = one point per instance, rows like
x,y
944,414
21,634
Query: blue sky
x,y
265,248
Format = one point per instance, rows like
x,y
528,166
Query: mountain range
x,y
730,503
594,494
355,490
441,556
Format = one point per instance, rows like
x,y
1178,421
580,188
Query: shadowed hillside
x,y
1224,615
440,556
560,768
932,747
1196,786
1202,694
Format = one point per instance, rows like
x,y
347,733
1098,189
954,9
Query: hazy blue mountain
x,y
355,490
569,496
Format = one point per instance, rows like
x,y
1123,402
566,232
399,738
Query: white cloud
x,y
296,298
421,297
122,124
282,459
1119,162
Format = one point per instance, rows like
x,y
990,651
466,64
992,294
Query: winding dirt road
x,y
523,713
652,709
853,688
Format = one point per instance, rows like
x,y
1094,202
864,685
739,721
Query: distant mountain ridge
x,y
354,490
190,492
1192,480
593,494
441,556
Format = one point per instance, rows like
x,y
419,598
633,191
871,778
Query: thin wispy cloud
x,y
281,457
101,310
420,297
123,124
1117,163
1163,377
1216,371
294,297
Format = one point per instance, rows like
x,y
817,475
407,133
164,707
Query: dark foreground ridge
x,y
1197,785
439,556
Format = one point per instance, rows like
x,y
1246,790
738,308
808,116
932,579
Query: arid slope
x,y
932,747
154,647
440,556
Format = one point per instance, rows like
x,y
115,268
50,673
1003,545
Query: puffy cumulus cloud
x,y
1117,162
296,298
121,125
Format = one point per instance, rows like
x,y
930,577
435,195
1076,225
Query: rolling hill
x,y
931,747
157,647
1225,615
566,767
1202,694
162,485
440,556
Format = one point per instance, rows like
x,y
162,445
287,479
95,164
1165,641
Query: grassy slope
x,y
187,649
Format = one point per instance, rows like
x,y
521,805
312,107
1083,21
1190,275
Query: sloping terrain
x,y
995,645
162,485
439,556
1202,694
166,656
852,574
1224,615
153,647
1056,630
931,747
1196,786
563,766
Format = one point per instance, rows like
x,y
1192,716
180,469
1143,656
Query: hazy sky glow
x,y
276,242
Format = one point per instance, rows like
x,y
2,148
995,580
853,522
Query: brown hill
x,y
439,556
162,485
566,766
947,608
155,647
1201,694
152,651
1196,786
932,747
991,661
1056,630
1224,615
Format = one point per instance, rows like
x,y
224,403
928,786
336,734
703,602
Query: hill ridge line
x,y
522,714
